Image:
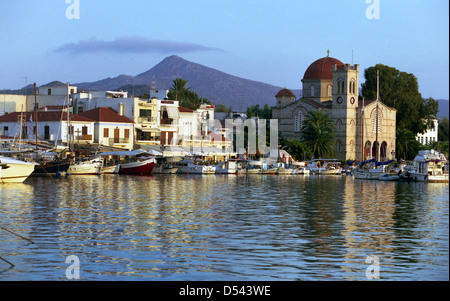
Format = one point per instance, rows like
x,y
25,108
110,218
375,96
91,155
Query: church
x,y
364,129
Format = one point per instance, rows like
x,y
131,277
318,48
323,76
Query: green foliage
x,y
400,90
406,144
223,109
256,111
185,96
317,133
443,129
296,148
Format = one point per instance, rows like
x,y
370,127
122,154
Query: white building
x,y
431,135
53,127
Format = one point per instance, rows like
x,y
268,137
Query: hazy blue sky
x,y
264,40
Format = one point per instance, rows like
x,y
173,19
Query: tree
x,y
185,96
296,148
317,133
443,129
256,111
400,90
221,108
406,144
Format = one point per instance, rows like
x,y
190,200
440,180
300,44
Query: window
x,y
49,91
313,90
105,133
374,123
338,146
329,90
84,130
24,132
5,130
127,133
299,117
46,132
339,124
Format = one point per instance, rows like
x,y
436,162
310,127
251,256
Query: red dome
x,y
285,93
321,69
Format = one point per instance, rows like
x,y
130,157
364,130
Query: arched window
x,y
298,120
339,125
313,90
329,90
352,125
338,146
374,123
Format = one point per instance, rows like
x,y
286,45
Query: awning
x,y
152,130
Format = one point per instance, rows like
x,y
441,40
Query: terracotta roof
x,y
316,104
43,116
185,110
321,69
106,115
285,92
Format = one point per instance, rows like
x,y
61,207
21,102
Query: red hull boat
x,y
142,168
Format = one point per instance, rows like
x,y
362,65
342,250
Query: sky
x,y
271,41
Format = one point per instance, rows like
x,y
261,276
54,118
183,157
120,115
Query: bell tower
x,y
344,105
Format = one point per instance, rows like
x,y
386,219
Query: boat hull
x,y
141,168
15,171
93,167
51,168
114,169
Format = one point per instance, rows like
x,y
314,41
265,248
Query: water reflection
x,y
225,227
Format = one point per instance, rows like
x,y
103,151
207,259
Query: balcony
x,y
112,141
168,121
83,137
147,120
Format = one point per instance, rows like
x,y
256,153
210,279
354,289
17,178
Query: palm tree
x,y
406,143
298,149
317,133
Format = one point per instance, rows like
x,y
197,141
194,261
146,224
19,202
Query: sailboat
x,y
47,167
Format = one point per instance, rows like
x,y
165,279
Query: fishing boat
x,y
324,167
111,169
429,166
165,169
190,166
54,167
92,166
137,162
15,171
140,166
227,167
371,170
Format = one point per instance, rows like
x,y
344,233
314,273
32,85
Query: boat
x,y
15,171
429,166
137,162
111,169
165,169
190,166
388,177
371,170
51,167
140,166
227,167
92,166
324,167
269,170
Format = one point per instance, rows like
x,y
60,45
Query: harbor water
x,y
223,228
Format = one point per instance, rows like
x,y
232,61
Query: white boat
x,y
371,170
324,167
15,171
112,169
429,166
189,166
269,171
285,171
165,169
388,177
86,167
228,167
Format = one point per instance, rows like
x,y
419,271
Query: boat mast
x,y
35,119
376,132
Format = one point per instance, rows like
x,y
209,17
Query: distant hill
x,y
214,85
443,108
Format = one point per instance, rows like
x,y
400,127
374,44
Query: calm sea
x,y
219,227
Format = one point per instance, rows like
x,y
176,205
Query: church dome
x,y
285,93
321,69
